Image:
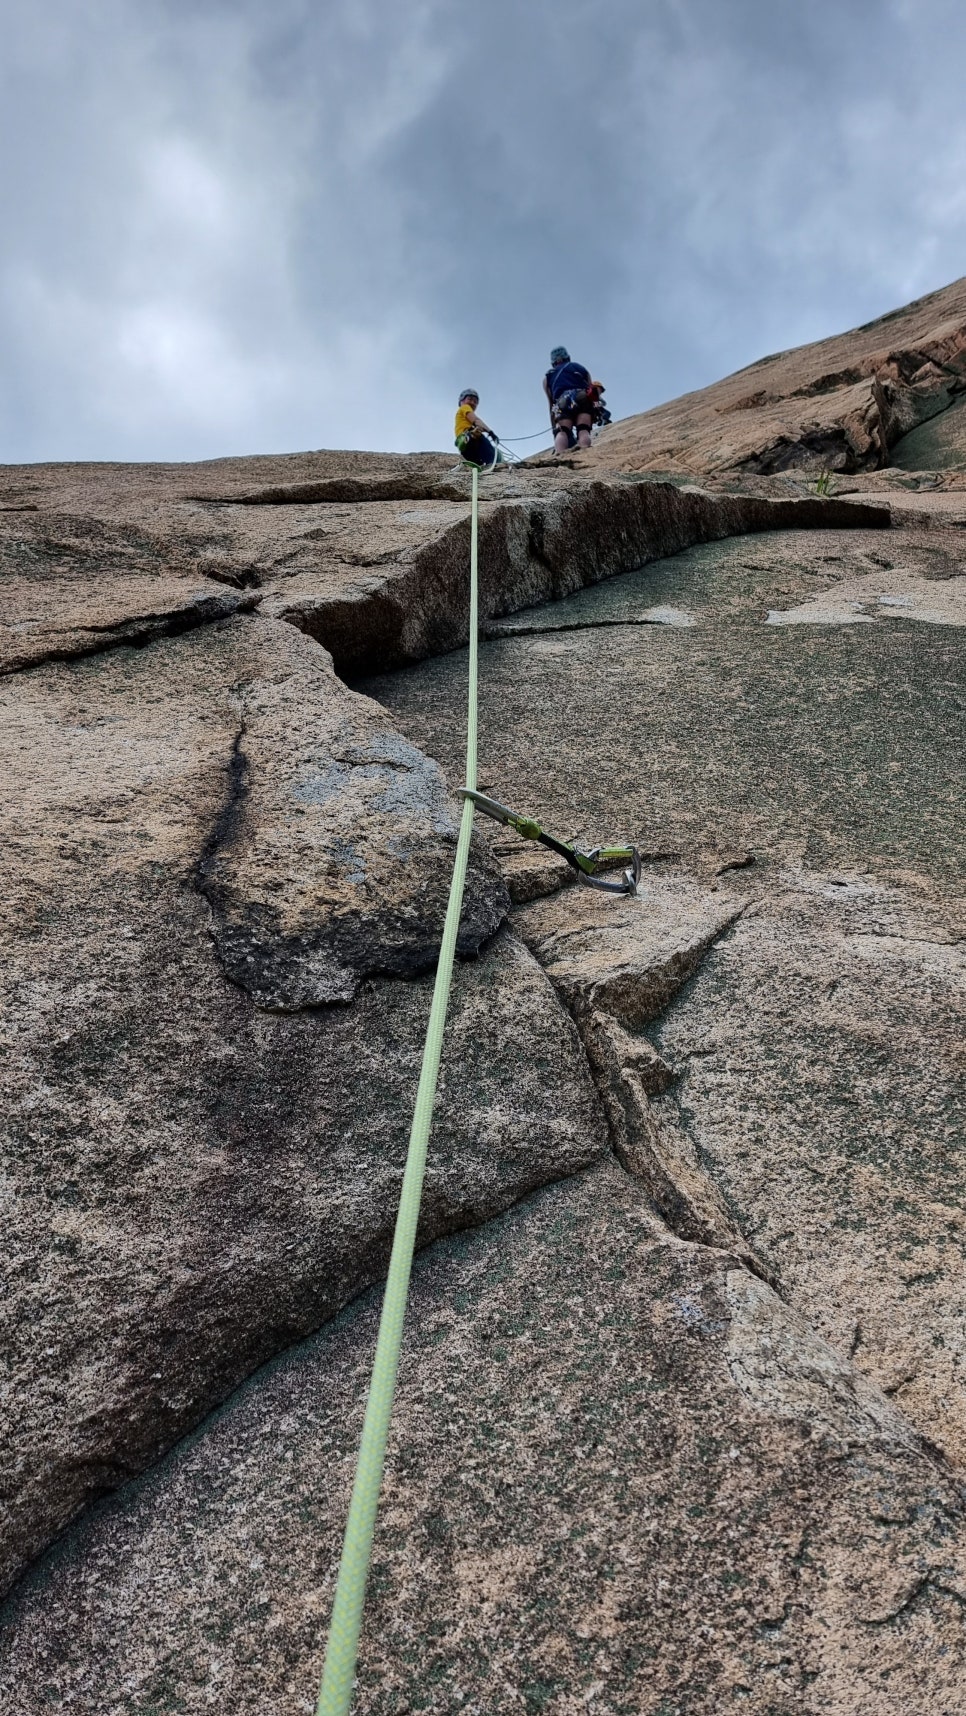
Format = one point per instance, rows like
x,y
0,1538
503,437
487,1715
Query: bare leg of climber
x,y
584,426
561,440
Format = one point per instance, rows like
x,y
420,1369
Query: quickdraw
x,y
586,863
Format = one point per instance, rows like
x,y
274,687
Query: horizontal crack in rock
x,y
533,549
138,633
340,489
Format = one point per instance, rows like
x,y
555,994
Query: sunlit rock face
x,y
850,403
682,1419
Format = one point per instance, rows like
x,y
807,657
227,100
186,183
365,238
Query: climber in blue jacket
x,y
573,400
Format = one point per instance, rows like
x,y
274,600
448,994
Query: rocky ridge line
x,y
842,404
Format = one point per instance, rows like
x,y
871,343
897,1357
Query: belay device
x,y
586,863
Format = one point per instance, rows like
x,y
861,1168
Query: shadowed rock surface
x,y
820,1092
685,1434
938,445
621,1473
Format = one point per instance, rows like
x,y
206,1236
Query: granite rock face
x,y
799,790
622,1474
939,444
823,1094
193,1177
375,570
618,964
330,859
841,404
681,1434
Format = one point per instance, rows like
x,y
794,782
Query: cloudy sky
x,y
235,226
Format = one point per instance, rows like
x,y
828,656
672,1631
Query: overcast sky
x,y
234,226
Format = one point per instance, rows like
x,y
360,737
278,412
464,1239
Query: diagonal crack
x,y
918,1588
627,1071
137,634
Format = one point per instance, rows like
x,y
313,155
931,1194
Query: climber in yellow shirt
x,y
476,441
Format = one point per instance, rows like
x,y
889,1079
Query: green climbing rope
x,y
338,1675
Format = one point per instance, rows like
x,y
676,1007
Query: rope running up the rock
x,y
338,1674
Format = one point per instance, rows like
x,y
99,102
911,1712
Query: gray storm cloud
x,y
234,228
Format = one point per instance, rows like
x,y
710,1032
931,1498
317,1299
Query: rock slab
x,y
622,1476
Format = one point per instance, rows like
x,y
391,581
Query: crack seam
x,y
927,1582
493,634
139,637
588,1013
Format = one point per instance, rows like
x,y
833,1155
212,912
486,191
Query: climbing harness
x,y
512,458
338,1675
585,862
496,460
